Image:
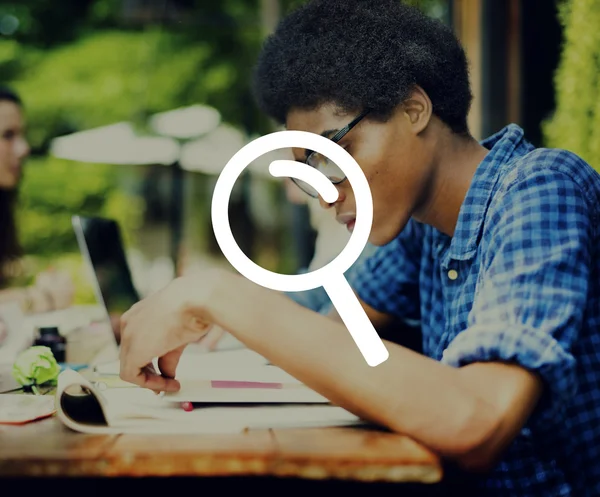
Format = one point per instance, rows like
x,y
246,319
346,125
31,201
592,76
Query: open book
x,y
220,406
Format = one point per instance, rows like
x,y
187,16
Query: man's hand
x,y
211,340
161,326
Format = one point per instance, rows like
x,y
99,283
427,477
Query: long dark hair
x,y
10,248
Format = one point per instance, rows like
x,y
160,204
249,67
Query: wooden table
x,y
48,449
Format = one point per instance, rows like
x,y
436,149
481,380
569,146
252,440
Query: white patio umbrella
x,y
119,144
210,154
186,123
115,144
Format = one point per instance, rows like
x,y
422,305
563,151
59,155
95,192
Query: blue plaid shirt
x,y
518,282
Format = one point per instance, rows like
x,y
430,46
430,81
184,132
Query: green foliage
x,y
106,78
234,31
80,65
51,192
46,22
98,71
575,124
103,78
10,54
54,189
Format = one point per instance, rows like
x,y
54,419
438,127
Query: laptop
x,y
101,246
102,249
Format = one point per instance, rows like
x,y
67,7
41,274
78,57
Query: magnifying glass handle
x,y
356,320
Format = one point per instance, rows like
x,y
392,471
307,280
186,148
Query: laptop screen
x,y
102,246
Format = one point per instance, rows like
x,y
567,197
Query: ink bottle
x,y
51,338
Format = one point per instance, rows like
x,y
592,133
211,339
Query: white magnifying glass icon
x,y
330,277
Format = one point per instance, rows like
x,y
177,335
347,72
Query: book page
x,y
219,390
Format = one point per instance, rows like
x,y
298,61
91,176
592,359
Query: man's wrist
x,y
203,297
232,299
217,299
240,305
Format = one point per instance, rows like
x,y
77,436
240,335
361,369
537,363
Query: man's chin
x,y
379,240
381,236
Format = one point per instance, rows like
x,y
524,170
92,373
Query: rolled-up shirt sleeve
x,y
531,296
388,280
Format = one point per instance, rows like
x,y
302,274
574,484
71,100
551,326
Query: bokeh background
x,y
113,66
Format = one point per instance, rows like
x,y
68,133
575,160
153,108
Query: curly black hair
x,y
362,54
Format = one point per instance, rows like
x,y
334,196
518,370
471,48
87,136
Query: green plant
x,y
88,67
105,78
55,189
51,192
575,125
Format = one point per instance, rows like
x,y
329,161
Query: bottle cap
x,y
49,330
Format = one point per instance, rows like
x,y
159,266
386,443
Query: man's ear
x,y
418,109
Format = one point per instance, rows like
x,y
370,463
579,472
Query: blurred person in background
x,y
52,290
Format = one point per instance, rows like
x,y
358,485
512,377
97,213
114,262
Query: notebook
x,y
86,407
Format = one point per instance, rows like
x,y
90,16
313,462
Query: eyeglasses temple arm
x,y
340,134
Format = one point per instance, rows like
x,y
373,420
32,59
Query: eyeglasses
x,y
322,164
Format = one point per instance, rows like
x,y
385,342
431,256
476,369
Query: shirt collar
x,y
504,147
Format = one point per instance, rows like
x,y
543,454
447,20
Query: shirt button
x,y
453,274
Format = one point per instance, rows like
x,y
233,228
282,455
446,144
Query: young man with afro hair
x,y
492,245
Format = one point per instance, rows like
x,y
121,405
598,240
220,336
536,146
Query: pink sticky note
x,y
243,384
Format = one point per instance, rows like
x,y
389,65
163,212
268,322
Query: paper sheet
x,y
23,408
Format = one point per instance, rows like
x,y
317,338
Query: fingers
x,y
145,375
149,378
155,327
168,363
